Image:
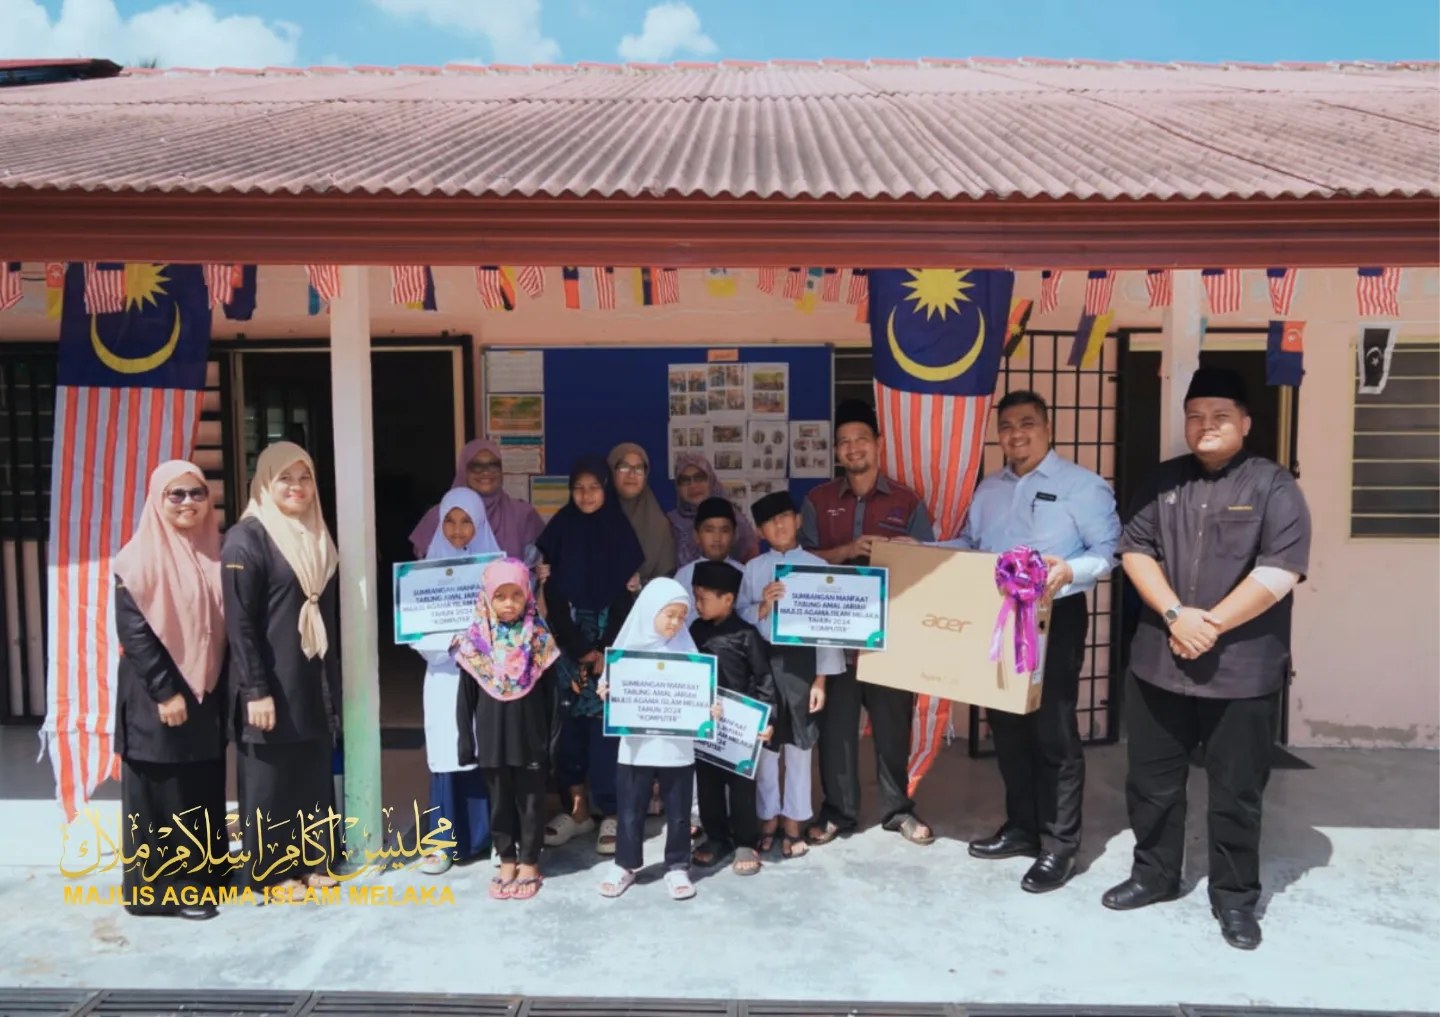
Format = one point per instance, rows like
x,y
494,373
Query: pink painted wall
x,y
1367,643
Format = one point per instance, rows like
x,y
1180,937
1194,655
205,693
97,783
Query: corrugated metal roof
x,y
929,129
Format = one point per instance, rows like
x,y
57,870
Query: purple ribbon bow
x,y
1020,575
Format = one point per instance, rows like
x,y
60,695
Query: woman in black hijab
x,y
594,558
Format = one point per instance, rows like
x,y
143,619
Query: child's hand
x,y
717,711
603,690
542,571
817,695
773,592
765,735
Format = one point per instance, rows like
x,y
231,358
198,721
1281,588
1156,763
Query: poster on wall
x,y
549,495
687,436
726,391
812,456
523,454
511,371
687,391
769,390
507,414
767,445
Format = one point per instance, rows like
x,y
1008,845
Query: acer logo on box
x,y
934,621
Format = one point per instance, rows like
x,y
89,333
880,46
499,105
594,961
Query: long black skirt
x,y
166,807
287,800
793,668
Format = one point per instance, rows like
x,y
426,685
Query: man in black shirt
x,y
1215,543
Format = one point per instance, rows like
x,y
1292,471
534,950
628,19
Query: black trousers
x,y
891,713
633,785
517,811
1163,728
731,823
1041,757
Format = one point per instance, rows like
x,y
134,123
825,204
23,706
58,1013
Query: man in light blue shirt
x,y
1067,513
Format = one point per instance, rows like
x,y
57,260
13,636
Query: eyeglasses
x,y
686,479
483,467
634,471
179,495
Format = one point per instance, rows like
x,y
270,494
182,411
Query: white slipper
x,y
678,881
605,839
436,864
563,829
617,881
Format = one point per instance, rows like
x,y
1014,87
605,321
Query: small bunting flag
x,y
10,288
794,284
765,280
496,287
54,288
1282,289
810,294
104,287
1089,339
218,283
1377,291
1222,289
1285,353
407,284
721,282
1050,290
241,305
531,279
1099,289
325,281
830,286
858,293
1018,327
588,289
1160,285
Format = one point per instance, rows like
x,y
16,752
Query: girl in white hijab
x,y
656,623
457,792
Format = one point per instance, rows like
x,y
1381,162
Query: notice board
x,y
599,396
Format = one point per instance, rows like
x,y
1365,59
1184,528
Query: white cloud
x,y
184,34
669,28
510,27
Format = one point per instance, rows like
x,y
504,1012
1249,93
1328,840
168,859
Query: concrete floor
x,y
1352,876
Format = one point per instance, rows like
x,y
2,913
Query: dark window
x,y
1395,475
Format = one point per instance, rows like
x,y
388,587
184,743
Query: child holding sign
x,y
742,666
799,673
508,730
657,624
457,789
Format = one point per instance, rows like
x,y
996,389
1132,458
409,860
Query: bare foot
x,y
507,872
318,880
528,871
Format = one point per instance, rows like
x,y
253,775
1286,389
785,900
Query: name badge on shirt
x,y
1045,496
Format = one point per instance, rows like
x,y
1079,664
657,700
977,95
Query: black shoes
x,y
1133,894
1008,842
1240,928
190,912
1051,872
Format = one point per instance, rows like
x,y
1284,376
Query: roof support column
x,y
1184,325
352,406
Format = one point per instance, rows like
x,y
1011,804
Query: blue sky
x,y
250,32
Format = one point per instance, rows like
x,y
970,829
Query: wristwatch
x,y
1172,614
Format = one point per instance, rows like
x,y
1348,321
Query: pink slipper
x,y
502,889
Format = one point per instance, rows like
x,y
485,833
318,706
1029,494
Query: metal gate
x,y
27,427
1085,427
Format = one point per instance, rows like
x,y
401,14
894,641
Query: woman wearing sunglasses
x,y
514,522
282,614
170,621
695,481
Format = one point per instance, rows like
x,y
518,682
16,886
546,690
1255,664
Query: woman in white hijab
x,y
457,792
278,577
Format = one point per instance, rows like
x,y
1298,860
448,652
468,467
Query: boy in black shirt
x,y
742,666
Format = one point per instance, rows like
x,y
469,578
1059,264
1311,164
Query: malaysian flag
x,y
1282,289
589,289
325,281
830,286
104,287
127,398
1099,288
497,290
1050,289
531,279
604,287
1377,291
407,284
936,337
858,293
1160,285
9,284
1222,289
765,280
794,284
219,283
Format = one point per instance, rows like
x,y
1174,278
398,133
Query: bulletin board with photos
x,y
761,414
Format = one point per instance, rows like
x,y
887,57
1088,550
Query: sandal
x,y
501,889
746,863
436,864
910,826
526,888
609,830
822,833
793,847
678,881
619,880
766,843
563,829
710,854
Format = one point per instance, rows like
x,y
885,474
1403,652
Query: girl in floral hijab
x,y
508,719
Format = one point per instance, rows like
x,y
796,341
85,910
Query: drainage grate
x,y
193,1003
42,1002
833,1009
627,1008
392,1004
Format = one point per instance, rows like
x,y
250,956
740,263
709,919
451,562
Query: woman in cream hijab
x,y
281,613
